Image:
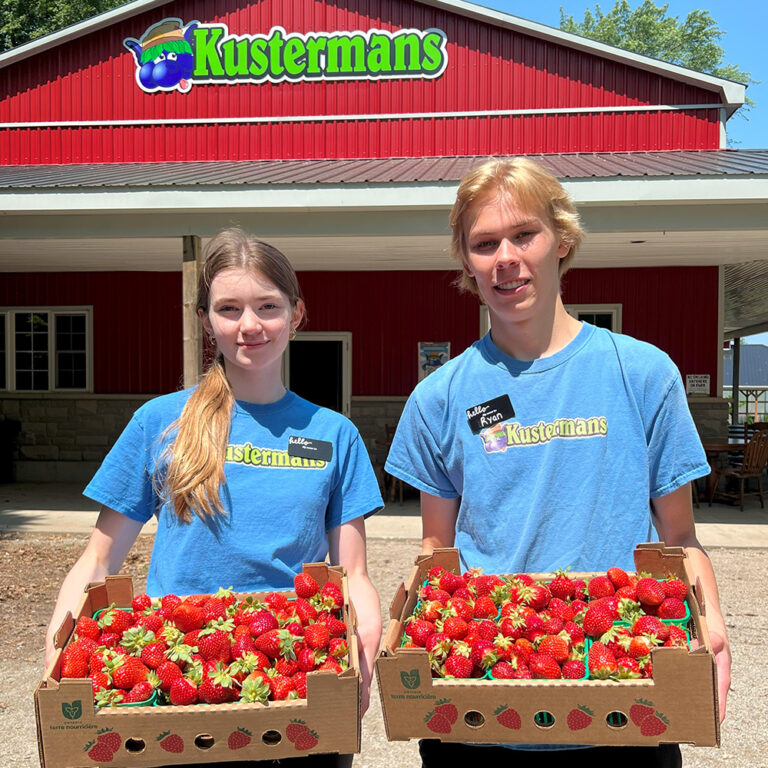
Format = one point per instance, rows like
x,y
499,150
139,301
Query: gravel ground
x,y
32,566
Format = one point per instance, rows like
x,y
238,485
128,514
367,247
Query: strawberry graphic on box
x,y
580,717
171,742
508,717
239,738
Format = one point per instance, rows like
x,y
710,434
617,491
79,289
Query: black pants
x,y
437,754
307,761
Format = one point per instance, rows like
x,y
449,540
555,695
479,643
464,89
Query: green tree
x,y
25,20
649,30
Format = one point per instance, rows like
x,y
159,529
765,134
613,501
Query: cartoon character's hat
x,y
164,32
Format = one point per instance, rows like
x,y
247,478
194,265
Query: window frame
x,y
10,347
615,310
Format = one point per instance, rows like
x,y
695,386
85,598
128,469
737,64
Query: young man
x,y
541,445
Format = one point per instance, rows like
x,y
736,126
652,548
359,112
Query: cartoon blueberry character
x,y
494,438
164,56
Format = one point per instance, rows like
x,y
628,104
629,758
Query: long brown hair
x,y
195,457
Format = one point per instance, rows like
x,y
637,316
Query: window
x,y
602,315
45,349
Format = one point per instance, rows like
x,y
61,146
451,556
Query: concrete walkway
x,y
61,508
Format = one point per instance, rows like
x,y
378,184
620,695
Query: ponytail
x,y
195,458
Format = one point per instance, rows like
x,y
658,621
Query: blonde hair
x,y
195,457
533,188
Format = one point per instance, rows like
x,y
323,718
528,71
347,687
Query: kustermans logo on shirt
x,y
499,437
270,458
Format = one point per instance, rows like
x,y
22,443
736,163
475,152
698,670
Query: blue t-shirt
x,y
279,507
564,476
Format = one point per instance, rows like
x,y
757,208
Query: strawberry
x,y
188,617
639,711
169,603
243,644
653,725
239,739
126,671
579,718
74,660
485,608
601,662
337,647
115,620
508,717
277,601
554,646
295,729
261,622
140,692
87,627
332,595
183,691
99,752
110,738
450,582
218,686
447,710
275,643
305,586
152,622
153,654
171,742
600,586
305,611
101,681
307,740
213,643
502,670
544,667
574,669
649,591
437,722
458,666
483,654
255,687
280,686
214,608
562,586
628,669
649,625
300,684
597,621
671,608
141,603
677,637
675,588
455,628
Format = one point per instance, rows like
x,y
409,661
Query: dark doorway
x,y
316,371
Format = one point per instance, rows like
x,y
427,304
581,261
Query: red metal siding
x,y
489,68
136,322
674,308
388,314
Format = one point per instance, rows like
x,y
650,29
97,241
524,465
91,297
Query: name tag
x,y
491,412
307,448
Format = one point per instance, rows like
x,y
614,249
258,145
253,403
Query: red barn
x,y
338,130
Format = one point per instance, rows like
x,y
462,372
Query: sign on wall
x,y
697,383
172,56
432,354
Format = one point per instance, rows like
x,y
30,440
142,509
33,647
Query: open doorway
x,y
318,367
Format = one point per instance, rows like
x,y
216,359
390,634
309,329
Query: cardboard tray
x,y
682,694
69,725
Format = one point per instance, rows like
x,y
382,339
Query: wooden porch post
x,y
193,349
735,381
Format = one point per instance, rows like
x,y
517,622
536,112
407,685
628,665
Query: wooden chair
x,y
395,483
755,460
390,485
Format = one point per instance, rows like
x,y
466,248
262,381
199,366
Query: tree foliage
x,y
649,30
25,20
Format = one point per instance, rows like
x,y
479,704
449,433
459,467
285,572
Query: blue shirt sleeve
x,y
123,481
416,454
356,492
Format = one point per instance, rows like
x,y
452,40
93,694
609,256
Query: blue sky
x,y
744,23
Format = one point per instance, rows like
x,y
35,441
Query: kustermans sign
x,y
173,56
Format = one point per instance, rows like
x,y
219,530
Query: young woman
x,y
216,464
541,446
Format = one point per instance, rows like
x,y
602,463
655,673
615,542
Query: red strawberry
x,y
332,594
305,586
280,686
167,672
554,646
677,637
544,667
110,738
600,586
305,611
101,681
447,710
218,686
675,588
337,647
597,621
171,742
649,591
562,586
602,663
485,608
127,671
214,644
638,712
299,681
671,608
74,660
188,617
140,692
99,752
87,627
502,670
458,666
648,625
182,692
140,603
261,622
306,740
455,627
438,723
214,608
508,717
239,739
574,669
579,718
619,578
115,620
153,654
653,725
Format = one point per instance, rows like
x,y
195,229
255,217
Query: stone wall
x,y
65,438
710,414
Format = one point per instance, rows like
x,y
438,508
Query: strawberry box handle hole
x,y
616,719
474,719
270,738
544,719
135,746
204,741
